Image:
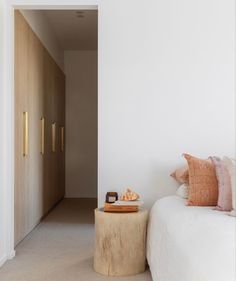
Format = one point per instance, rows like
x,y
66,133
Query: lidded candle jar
x,y
111,197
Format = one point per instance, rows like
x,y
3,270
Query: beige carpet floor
x,y
60,248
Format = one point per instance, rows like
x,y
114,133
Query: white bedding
x,y
190,243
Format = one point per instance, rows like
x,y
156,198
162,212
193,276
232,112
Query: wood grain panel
x,y
21,105
35,172
48,103
39,90
60,117
62,124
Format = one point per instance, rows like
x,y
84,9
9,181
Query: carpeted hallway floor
x,y
60,248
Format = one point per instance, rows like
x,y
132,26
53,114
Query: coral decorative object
x,y
129,195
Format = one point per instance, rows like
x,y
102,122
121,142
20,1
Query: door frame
x,y
7,109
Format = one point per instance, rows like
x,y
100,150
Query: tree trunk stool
x,y
120,243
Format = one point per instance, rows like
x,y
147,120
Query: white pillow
x,y
182,191
231,166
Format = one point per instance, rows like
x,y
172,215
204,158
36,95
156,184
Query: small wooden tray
x,y
120,209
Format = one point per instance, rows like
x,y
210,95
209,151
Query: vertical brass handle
x,y
42,135
62,139
25,134
53,137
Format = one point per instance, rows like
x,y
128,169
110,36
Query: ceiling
x,y
74,29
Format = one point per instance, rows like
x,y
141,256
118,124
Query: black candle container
x,y
111,197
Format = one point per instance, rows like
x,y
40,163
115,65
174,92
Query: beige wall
x,y
81,123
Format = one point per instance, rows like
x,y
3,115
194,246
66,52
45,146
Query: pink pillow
x,y
181,174
231,167
224,202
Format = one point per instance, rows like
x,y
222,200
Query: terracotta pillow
x,y
203,186
181,174
224,202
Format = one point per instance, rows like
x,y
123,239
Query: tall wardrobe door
x,y
21,105
60,117
55,117
61,104
35,172
48,159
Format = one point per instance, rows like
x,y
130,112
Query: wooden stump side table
x,y
120,243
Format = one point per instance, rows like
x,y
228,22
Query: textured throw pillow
x,y
203,186
224,202
181,174
231,166
182,191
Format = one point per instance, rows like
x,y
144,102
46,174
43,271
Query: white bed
x,y
190,243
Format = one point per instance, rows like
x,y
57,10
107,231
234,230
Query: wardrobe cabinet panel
x,y
61,122
35,172
60,118
21,105
39,91
49,88
55,119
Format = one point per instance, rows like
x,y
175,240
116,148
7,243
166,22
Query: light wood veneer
x,y
40,91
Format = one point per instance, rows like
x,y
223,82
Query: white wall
x,y
40,25
166,84
6,135
2,231
81,124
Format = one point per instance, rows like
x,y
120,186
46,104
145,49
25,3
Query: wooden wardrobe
x,y
39,130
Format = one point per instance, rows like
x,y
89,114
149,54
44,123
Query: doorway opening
x,y
55,114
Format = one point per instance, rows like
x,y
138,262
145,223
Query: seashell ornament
x,y
129,195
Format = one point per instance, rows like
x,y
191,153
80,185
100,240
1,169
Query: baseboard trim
x,y
3,260
39,221
11,255
7,257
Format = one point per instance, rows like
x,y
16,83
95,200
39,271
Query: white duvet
x,y
190,243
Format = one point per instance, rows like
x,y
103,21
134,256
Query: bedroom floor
x,y
60,248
